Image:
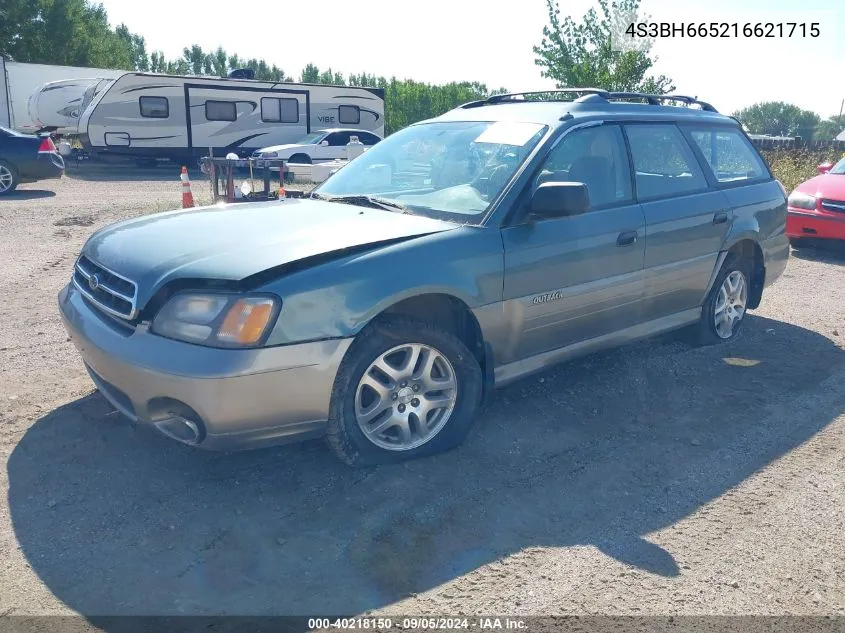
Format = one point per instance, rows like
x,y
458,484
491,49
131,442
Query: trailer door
x,y
242,119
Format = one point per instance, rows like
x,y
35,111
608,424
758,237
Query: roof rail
x,y
521,96
658,99
587,95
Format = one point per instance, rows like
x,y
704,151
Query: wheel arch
x,y
745,245
445,309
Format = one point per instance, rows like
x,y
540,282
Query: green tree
x,y
310,75
777,118
828,129
194,58
65,32
157,62
582,55
219,61
137,45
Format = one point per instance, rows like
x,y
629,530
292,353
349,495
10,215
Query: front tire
x,y
8,178
300,159
405,389
726,305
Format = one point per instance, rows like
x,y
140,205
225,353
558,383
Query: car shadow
x,y
599,452
27,194
129,172
826,252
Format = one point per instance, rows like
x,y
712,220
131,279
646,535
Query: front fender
x,y
337,299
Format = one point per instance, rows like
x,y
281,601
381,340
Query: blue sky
x,y
453,40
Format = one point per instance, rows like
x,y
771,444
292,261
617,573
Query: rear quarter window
x,y
729,154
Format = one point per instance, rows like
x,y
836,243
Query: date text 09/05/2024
x,y
416,623
723,29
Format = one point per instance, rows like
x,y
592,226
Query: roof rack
x,y
656,99
591,95
521,96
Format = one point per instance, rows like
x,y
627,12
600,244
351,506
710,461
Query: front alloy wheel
x,y
405,397
405,388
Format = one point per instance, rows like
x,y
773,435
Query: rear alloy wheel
x,y
405,389
8,178
725,308
730,304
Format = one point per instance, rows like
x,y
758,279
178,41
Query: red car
x,y
817,206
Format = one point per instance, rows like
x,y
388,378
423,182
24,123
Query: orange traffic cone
x,y
187,195
282,192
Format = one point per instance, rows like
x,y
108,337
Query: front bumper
x,y
815,225
234,398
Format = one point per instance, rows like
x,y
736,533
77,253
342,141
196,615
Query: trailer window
x,y
349,115
154,107
221,111
275,110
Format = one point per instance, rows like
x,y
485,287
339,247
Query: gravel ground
x,y
656,479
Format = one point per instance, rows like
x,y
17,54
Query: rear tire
x,y
726,305
366,428
300,159
8,178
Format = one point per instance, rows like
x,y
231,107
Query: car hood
x,y
829,186
232,242
290,147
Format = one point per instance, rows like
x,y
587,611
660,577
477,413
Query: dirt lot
x,y
657,479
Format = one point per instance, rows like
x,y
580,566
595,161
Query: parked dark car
x,y
27,158
457,255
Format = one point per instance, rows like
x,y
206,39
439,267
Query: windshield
x,y
449,170
838,168
312,139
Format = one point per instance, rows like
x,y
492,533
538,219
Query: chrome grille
x,y
836,206
109,291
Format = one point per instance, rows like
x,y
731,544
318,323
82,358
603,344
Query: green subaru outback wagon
x,y
457,255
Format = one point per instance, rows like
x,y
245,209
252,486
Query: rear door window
x,y
338,138
664,164
729,154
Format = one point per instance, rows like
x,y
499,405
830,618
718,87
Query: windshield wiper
x,y
362,200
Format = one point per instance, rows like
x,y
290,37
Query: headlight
x,y
269,155
801,200
216,320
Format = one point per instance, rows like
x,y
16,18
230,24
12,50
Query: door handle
x,y
627,237
721,217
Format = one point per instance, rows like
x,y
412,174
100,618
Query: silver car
x,y
457,255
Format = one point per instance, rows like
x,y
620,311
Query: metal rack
x,y
221,171
590,95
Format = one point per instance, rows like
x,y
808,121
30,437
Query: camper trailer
x,y
35,97
149,116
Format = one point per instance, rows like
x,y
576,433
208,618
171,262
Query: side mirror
x,y
324,143
560,199
824,168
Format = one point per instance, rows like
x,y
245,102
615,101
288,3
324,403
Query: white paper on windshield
x,y
509,133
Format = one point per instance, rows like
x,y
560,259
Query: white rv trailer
x,y
26,108
147,116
